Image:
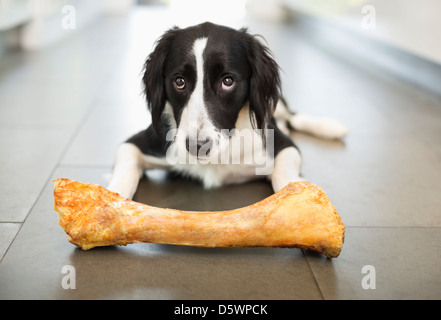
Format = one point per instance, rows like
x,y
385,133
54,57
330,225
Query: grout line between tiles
x,y
80,125
313,275
69,142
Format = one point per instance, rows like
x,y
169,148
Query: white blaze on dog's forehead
x,y
195,123
196,106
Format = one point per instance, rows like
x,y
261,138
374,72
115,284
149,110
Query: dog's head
x,y
205,75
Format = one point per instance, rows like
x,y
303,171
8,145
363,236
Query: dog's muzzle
x,y
199,148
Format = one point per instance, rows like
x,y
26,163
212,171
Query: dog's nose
x,y
199,148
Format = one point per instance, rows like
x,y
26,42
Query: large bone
x,y
300,215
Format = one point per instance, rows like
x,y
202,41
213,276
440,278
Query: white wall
x,y
412,25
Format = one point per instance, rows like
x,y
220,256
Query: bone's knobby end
x,y
58,182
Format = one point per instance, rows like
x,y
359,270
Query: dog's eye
x,y
227,83
180,83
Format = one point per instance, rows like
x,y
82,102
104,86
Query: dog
x,y
214,95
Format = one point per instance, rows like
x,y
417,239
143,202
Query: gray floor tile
x,y
31,154
7,234
405,265
376,180
42,103
168,190
110,124
119,111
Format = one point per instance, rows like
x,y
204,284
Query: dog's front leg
x,y
127,170
286,168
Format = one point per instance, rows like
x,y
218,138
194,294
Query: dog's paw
x,y
331,129
321,127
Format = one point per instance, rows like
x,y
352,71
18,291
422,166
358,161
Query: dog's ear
x,y
153,78
264,82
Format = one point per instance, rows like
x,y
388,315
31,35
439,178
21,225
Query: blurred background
x,y
355,29
407,24
404,24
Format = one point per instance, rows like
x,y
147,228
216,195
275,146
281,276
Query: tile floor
x,y
64,110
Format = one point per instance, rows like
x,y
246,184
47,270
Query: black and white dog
x,y
217,115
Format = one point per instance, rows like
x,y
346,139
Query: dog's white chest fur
x,y
215,175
